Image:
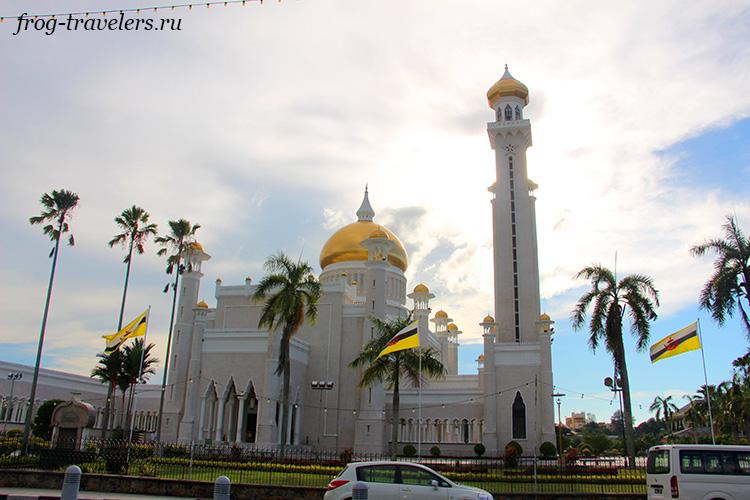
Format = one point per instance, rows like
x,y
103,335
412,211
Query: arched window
x,y
465,430
518,113
519,417
508,113
498,115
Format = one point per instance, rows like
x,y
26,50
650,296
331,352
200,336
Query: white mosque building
x,y
221,382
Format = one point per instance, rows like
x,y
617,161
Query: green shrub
x,y
513,450
14,433
435,451
548,450
479,449
409,450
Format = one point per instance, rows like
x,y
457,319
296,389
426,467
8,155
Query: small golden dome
x,y
345,245
544,317
195,246
202,304
488,319
378,233
481,358
441,314
452,327
507,86
421,288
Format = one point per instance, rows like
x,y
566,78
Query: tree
x,y
664,407
611,300
181,234
730,281
290,294
133,222
135,369
57,209
391,368
43,419
108,371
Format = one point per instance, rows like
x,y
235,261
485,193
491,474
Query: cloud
x,y
277,112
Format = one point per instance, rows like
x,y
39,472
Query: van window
x,y
733,463
658,462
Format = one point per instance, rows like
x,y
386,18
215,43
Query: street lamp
x,y
558,395
615,385
12,376
320,386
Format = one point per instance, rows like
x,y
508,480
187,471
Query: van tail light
x,y
336,483
675,488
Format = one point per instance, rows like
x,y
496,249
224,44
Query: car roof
x,y
383,462
717,447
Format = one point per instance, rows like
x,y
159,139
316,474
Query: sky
x,y
263,123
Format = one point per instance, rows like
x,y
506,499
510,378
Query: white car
x,y
399,480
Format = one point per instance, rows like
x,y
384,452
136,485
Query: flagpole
x,y
705,379
419,405
140,371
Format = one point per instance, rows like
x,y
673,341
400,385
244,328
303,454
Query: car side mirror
x,y
434,483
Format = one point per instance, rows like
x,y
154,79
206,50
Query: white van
x,y
698,472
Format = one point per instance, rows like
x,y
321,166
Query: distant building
x,y
577,420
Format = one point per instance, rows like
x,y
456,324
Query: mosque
x,y
221,383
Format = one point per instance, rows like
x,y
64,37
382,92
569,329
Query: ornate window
x,y
508,113
518,113
519,417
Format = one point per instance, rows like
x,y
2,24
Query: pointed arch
x,y
518,113
508,113
519,417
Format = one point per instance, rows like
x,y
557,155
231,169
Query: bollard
x,y
221,488
359,491
71,483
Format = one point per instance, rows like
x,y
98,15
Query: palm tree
x,y
664,407
392,367
731,279
57,209
108,371
633,295
181,234
136,229
135,369
291,293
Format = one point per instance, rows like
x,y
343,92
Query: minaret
x,y
513,217
421,296
370,419
517,368
182,342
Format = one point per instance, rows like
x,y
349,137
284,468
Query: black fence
x,y
309,467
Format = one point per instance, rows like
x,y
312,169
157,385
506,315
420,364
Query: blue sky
x,y
264,123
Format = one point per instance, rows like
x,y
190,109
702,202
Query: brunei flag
x,y
407,338
680,341
136,328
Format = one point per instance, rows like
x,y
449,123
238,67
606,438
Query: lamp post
x,y
615,386
320,386
558,395
12,376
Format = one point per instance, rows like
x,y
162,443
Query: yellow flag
x,y
407,338
136,328
680,341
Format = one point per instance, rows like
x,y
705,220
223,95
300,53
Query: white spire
x,y
365,212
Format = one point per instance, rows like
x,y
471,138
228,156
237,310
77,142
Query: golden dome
x,y
195,246
441,314
345,245
488,319
481,358
544,317
202,304
421,288
452,327
507,86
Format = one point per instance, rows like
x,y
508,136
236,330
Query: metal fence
x,y
309,467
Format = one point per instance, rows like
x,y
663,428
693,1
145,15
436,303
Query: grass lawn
x,y
625,482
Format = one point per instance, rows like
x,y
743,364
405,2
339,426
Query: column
x,y
219,421
240,431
